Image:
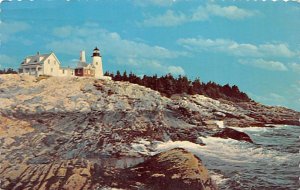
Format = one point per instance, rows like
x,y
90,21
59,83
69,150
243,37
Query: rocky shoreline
x,y
53,131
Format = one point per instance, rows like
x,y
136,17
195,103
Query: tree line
x,y
168,85
8,71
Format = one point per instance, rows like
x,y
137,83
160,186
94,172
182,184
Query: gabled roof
x,y
34,59
81,64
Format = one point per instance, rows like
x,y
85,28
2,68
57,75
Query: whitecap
x,y
189,146
252,129
218,178
236,151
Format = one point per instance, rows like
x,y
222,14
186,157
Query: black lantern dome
x,y
96,52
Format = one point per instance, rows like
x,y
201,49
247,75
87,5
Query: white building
x,y
44,64
93,69
48,64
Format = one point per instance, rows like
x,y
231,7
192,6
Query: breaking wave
x,y
270,163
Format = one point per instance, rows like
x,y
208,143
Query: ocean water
x,y
271,163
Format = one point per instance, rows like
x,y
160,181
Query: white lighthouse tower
x,y
97,63
82,56
82,61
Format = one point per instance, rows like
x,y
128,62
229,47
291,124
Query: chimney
x,y
82,56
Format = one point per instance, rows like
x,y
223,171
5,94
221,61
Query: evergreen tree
x,y
118,76
124,77
197,87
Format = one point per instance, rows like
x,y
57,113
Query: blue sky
x,y
253,44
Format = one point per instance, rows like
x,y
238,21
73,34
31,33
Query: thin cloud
x,y
296,88
169,18
150,65
271,98
176,70
234,48
112,43
229,12
62,31
72,39
7,61
295,67
161,3
8,29
202,13
265,64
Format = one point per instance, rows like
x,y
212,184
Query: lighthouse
x,y
97,63
93,69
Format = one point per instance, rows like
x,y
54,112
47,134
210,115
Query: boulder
x,y
173,169
233,134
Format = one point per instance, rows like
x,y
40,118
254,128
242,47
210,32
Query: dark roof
x,y
96,48
34,59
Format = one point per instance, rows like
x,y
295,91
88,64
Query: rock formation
x,y
60,133
233,134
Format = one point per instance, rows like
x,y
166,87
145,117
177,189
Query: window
x,y
54,62
63,71
51,70
48,61
96,63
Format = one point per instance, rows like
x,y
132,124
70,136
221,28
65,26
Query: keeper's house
x,y
44,64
